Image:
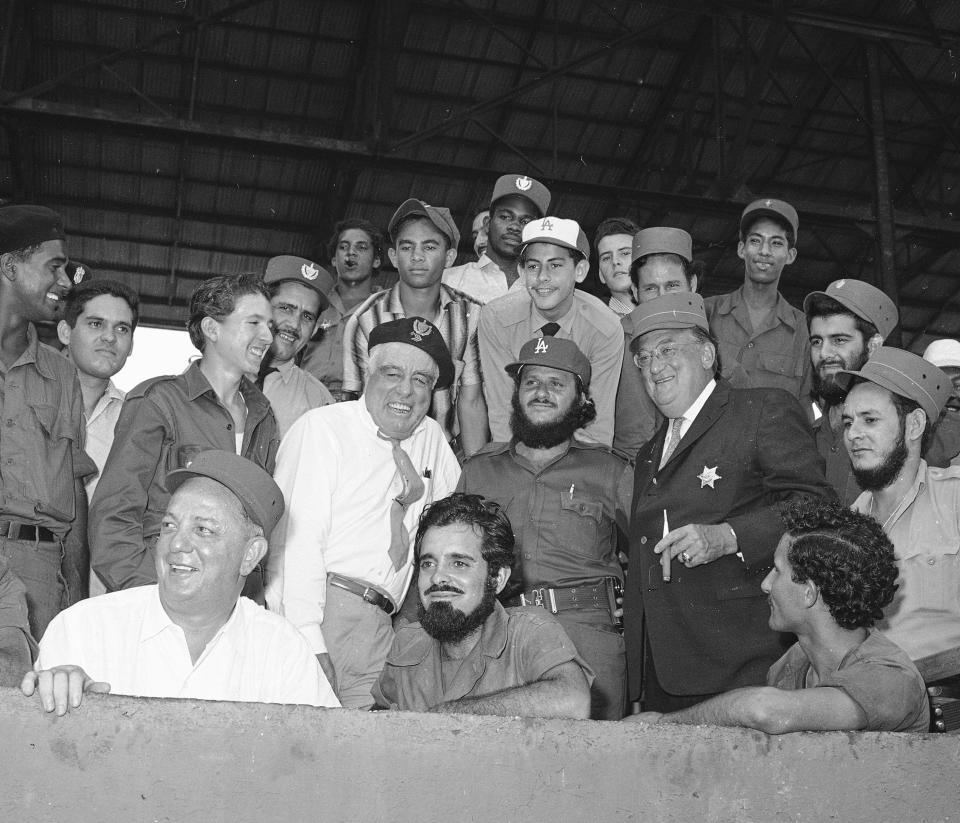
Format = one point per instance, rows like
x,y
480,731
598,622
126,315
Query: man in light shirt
x,y
191,634
356,476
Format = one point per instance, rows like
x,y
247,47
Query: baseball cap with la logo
x,y
556,230
556,353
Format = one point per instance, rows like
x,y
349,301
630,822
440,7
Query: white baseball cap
x,y
945,352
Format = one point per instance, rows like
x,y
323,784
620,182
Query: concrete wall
x,y
124,759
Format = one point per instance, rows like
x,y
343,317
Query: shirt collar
x,y
367,421
156,620
195,380
785,312
697,405
493,641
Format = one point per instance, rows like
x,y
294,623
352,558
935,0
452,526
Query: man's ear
x,y
740,248
63,332
874,343
708,354
451,258
581,270
502,577
811,594
392,254
210,328
253,553
693,283
915,423
791,255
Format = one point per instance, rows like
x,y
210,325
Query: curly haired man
x,y
833,574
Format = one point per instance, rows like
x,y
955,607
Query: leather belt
x,y
13,530
366,593
602,595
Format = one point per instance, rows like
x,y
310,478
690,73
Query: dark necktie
x,y
549,329
412,491
265,370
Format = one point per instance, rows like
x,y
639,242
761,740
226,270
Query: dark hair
x,y
846,555
24,254
217,297
787,229
691,268
81,295
614,225
486,517
822,305
575,254
375,235
416,218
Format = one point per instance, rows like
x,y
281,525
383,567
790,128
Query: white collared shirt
x,y
128,640
338,480
692,411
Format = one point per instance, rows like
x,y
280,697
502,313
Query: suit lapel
x,y
709,414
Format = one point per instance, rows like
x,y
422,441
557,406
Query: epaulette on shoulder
x,y
142,389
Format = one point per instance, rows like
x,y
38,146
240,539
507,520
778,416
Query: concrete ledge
x,y
125,759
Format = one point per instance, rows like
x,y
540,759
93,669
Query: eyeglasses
x,y
668,352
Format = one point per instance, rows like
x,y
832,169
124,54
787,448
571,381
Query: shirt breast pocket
x,y
580,520
938,574
780,364
58,436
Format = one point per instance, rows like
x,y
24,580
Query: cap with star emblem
x,y
422,334
556,230
556,353
778,209
519,185
287,268
906,374
79,272
865,301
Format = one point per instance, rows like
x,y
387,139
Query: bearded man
x,y
892,406
564,498
847,323
468,654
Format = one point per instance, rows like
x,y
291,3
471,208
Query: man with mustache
x,y
299,291
892,405
97,333
467,654
166,421
833,573
42,460
847,323
516,200
565,498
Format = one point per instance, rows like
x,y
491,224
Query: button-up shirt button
x,y
229,427
932,561
749,345
654,481
643,541
10,423
527,555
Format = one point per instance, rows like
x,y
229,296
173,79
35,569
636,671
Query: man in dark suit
x,y
706,521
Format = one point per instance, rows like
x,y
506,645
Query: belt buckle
x,y
536,599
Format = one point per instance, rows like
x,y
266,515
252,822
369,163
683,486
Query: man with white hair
x,y
356,476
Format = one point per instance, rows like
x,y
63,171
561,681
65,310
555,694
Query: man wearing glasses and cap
x,y
356,476
755,325
299,291
707,494
516,200
892,405
190,634
553,260
424,239
848,322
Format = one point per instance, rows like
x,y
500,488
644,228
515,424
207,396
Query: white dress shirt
x,y
691,413
128,640
338,480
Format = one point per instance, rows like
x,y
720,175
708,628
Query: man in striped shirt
x,y
424,240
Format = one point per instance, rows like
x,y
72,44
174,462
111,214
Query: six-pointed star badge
x,y
708,477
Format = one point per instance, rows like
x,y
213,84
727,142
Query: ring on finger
x,y
684,557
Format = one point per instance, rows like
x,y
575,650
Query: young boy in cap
x,y
565,500
43,506
847,323
299,291
424,240
893,402
755,325
355,251
553,259
517,199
